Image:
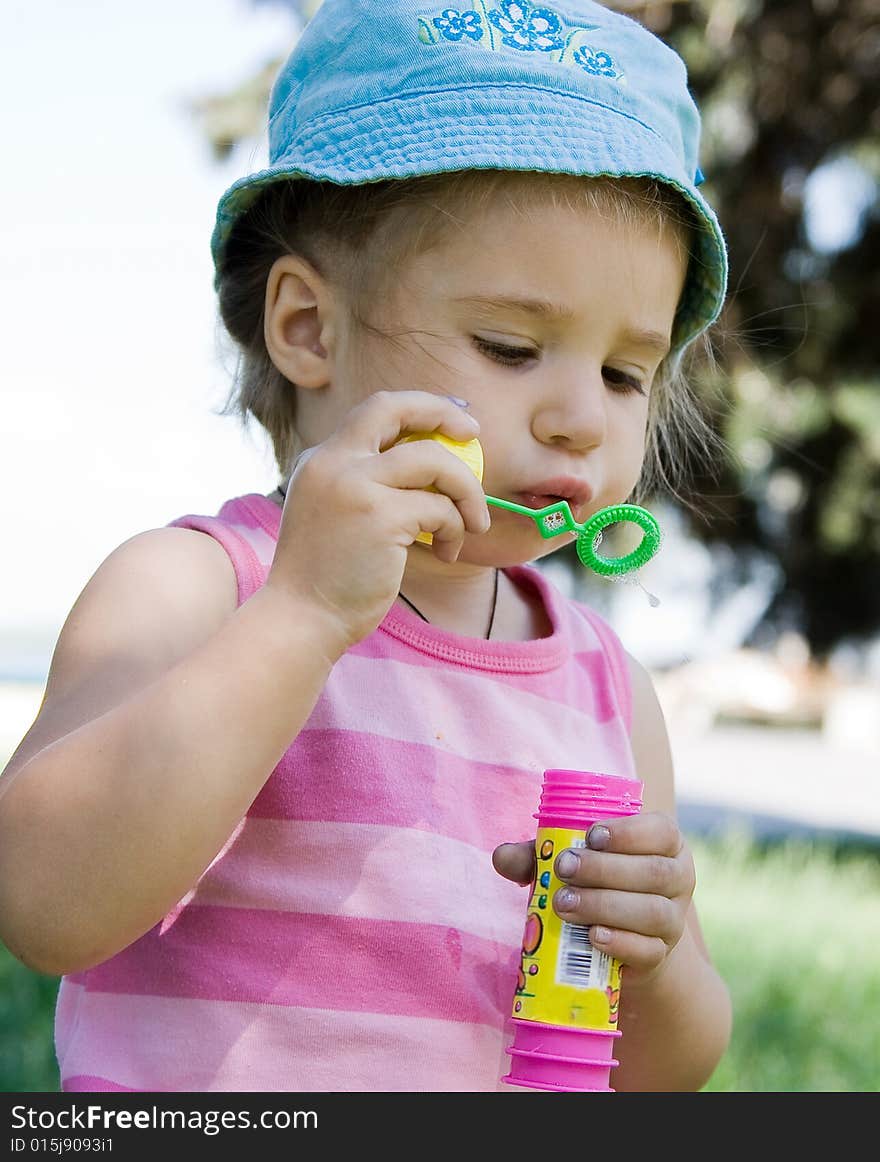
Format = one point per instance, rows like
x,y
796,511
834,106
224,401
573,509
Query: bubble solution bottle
x,y
567,995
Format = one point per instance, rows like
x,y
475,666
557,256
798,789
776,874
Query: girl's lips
x,y
577,492
537,500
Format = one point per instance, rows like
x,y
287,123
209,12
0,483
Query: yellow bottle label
x,y
563,979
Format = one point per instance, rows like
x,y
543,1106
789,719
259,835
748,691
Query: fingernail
x,y
567,864
566,899
599,935
459,403
598,837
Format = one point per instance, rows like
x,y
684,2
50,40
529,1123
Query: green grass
x,y
27,1006
794,929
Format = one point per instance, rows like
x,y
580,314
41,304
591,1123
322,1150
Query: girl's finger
x,y
654,874
382,418
637,912
515,861
432,512
637,952
428,465
652,832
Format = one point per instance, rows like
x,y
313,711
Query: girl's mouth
x,y
547,492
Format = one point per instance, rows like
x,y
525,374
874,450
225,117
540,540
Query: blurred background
x,y
123,126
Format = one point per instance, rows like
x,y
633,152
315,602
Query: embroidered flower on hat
x,y
598,63
454,25
528,26
524,27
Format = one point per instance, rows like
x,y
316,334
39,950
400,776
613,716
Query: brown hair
x,y
359,236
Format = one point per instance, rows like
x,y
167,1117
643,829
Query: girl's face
x,y
552,326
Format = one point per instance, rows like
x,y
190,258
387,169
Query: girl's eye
x,y
502,353
621,382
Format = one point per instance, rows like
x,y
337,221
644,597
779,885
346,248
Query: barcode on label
x,y
579,962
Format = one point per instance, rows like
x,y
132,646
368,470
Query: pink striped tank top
x,y
352,934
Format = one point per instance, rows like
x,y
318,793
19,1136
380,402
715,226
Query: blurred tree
x,y
790,96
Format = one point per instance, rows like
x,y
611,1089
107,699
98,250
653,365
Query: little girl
x,y
255,821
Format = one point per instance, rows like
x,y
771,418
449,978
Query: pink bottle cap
x,y
561,1059
577,798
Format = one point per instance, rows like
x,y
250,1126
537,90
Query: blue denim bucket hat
x,y
383,89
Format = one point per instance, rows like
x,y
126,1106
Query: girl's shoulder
x,y
155,598
154,583
246,527
158,589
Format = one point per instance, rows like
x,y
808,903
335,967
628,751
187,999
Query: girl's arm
x,y
166,709
675,1025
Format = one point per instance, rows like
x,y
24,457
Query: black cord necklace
x,y
282,488
488,633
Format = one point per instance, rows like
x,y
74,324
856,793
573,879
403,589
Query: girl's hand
x,y
632,885
358,501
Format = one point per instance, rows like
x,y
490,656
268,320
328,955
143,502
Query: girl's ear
x,y
299,326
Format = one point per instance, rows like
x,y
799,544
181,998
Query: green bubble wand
x,y
558,518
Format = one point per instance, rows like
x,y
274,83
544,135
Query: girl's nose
x,y
573,413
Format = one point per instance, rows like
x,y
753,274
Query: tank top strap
x,y
247,528
615,655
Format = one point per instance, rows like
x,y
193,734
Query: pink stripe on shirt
x,y
400,784
82,1083
375,966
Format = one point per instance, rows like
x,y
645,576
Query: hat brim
x,y
442,133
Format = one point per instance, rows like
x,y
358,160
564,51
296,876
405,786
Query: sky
x,y
111,372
